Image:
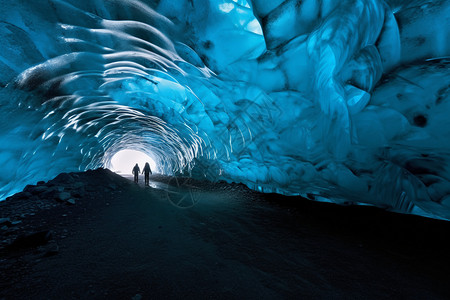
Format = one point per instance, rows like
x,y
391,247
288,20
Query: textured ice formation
x,y
343,101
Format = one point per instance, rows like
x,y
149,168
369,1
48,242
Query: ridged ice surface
x,y
343,101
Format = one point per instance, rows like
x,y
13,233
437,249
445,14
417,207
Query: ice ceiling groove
x,y
343,101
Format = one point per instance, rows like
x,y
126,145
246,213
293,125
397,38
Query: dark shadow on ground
x,y
96,235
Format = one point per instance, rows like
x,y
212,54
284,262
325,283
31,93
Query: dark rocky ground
x,y
97,235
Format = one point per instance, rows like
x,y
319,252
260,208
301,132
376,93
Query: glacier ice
x,y
338,100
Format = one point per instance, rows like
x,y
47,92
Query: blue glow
x,y
342,101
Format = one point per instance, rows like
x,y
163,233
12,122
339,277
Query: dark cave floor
x,y
97,235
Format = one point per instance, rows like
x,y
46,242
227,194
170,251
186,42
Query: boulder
x,y
28,188
78,185
63,178
63,196
35,189
22,195
51,249
80,193
5,221
50,193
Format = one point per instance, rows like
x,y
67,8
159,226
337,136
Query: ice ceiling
x,y
344,100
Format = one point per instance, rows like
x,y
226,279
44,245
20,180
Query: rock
x,y
13,229
51,249
71,201
78,185
51,192
78,193
137,297
5,221
29,187
5,242
63,178
16,222
40,183
31,240
35,189
63,196
91,188
48,192
22,195
39,189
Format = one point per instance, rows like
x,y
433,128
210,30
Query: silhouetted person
x,y
147,171
136,171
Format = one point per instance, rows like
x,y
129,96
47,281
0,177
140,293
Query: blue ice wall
x,y
343,101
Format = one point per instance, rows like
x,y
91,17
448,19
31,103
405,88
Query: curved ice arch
x,y
289,111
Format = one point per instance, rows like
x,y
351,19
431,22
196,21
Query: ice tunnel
x,y
344,101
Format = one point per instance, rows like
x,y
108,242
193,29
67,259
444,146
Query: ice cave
x,y
340,101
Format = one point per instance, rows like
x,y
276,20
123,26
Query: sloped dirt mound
x,y
97,235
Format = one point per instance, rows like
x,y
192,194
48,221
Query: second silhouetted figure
x,y
147,171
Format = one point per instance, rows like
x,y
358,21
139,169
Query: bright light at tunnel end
x,y
123,161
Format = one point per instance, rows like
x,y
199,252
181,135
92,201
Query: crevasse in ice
x,y
343,101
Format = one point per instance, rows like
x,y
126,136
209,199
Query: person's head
x,y
146,164
136,164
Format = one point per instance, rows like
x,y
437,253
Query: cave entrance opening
x,y
123,161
